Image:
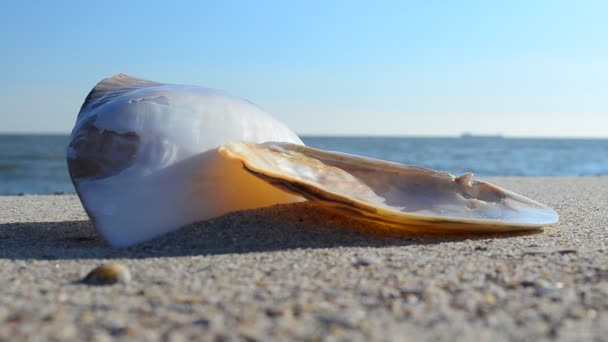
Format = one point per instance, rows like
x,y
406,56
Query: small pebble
x,y
367,261
108,274
274,312
544,288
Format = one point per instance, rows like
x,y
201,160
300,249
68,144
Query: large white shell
x,y
145,159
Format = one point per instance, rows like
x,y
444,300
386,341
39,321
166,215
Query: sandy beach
x,y
298,272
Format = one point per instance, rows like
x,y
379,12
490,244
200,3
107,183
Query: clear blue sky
x,y
520,68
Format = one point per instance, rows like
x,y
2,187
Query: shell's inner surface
x,y
390,192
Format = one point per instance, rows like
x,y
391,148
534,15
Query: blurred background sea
x,y
35,164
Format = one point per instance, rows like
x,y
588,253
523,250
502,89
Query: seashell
x,y
108,274
146,158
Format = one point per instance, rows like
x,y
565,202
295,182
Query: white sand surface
x,y
297,272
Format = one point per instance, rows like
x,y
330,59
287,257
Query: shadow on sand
x,y
283,227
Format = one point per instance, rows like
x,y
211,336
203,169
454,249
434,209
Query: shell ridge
x,y
112,87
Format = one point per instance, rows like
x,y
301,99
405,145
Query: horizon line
x,y
464,135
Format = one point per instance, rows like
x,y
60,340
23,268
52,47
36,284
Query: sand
x,y
297,272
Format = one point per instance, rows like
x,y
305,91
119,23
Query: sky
x,y
439,68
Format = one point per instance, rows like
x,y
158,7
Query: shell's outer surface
x,y
108,274
410,198
143,157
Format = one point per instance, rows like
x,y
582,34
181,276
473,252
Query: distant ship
x,y
468,135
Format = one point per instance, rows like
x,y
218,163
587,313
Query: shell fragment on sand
x,y
108,274
147,158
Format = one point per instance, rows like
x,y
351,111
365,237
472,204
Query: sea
x,y
35,164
